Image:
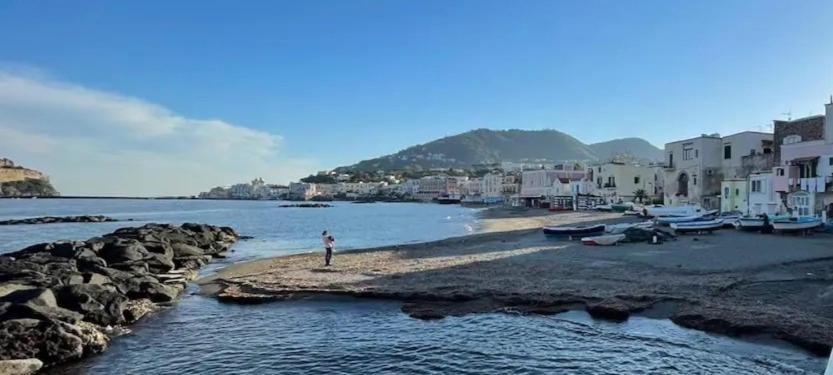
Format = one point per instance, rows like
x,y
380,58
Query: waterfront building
x,y
763,199
695,168
803,176
619,181
540,185
432,187
302,190
491,188
734,195
470,190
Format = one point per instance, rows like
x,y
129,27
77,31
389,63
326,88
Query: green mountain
x,y
483,146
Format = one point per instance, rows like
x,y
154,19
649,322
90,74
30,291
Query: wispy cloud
x,y
95,142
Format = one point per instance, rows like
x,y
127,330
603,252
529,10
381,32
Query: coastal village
x,y
788,171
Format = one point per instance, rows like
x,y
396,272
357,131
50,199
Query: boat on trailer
x,y
603,240
698,226
799,224
589,230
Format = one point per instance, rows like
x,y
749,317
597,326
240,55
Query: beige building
x,y
618,181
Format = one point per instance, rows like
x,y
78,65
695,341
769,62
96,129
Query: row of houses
x,y
789,170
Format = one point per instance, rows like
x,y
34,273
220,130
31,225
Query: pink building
x,y
803,174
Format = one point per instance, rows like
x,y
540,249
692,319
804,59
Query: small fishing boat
x,y
698,226
621,228
589,230
604,240
603,207
667,220
799,224
730,219
749,223
659,210
621,207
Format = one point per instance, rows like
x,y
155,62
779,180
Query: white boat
x,y
829,370
749,223
603,207
604,240
689,210
796,224
698,226
666,220
621,228
730,219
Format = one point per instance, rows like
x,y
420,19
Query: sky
x,y
172,98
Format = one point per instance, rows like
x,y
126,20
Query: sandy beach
x,y
736,283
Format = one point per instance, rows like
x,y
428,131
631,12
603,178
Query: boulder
x,y
121,250
138,308
92,339
6,288
155,291
20,366
159,263
96,279
43,339
99,304
184,250
34,296
9,310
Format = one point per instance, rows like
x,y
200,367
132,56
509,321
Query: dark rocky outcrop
x,y
58,300
59,219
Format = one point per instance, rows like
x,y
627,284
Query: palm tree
x,y
640,194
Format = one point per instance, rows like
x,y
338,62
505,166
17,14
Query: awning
x,y
804,160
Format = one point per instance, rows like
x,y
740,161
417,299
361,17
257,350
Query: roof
x,y
809,158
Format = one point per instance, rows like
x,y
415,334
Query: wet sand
x,y
735,283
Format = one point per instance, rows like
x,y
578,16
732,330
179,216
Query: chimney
x,y
828,121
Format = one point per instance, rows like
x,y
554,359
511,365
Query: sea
x,y
342,335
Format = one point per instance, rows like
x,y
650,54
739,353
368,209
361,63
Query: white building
x,y
763,199
302,190
736,146
491,188
542,184
693,171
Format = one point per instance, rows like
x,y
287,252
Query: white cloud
x,y
98,143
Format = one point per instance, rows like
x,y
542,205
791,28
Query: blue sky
x,y
339,81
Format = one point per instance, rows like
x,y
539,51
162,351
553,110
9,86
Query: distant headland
x,y
17,181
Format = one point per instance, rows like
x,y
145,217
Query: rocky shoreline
x,y
62,301
731,283
61,219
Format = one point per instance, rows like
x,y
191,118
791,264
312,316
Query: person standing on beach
x,y
329,242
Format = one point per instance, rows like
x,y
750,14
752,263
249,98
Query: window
x,y
830,161
780,171
671,160
727,151
790,139
752,152
688,152
756,186
737,192
726,193
636,180
694,179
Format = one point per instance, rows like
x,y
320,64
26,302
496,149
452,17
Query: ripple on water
x,y
324,336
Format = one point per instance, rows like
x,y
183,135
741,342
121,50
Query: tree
x,y
640,195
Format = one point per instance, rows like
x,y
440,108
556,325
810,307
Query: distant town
x,y
751,172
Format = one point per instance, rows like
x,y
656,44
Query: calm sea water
x,y
349,336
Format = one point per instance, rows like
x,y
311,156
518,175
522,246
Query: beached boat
x,y
667,220
698,226
589,230
621,207
730,219
796,224
604,240
749,223
603,207
621,228
829,370
659,210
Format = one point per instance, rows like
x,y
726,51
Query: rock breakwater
x,y
60,219
61,301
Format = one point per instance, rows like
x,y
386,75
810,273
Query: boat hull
x,y
698,226
606,240
574,231
790,226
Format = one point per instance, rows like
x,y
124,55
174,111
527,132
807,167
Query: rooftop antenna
x,y
789,115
